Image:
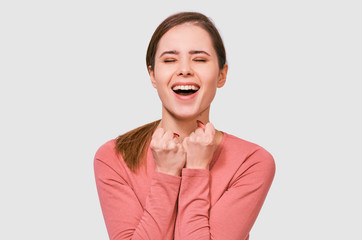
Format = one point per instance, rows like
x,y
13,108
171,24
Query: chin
x,y
186,113
185,117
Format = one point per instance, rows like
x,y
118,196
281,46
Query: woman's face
x,y
186,72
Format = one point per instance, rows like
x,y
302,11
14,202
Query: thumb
x,y
200,124
184,143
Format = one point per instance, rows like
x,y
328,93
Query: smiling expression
x,y
186,71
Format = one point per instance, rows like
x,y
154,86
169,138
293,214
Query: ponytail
x,y
133,144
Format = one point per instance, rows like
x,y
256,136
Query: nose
x,y
184,69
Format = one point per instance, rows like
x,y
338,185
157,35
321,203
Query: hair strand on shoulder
x,y
133,144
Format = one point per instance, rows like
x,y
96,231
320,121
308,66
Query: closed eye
x,y
169,60
200,60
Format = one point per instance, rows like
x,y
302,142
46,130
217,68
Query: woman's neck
x,y
180,126
183,127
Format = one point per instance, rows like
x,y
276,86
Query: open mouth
x,y
185,90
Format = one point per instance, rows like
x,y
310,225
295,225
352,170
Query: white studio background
x,y
73,76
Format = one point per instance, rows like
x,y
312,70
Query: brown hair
x,y
133,144
178,19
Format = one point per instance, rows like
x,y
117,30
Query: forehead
x,y
186,37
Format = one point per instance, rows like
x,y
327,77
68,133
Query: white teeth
x,y
185,87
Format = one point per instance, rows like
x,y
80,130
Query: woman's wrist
x,y
194,166
176,173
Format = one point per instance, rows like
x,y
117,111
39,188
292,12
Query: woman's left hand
x,y
199,146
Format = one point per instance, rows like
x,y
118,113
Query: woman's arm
x,y
123,213
234,214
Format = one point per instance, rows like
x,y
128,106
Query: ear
x,y
222,76
152,76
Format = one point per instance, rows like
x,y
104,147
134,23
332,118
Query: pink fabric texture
x,y
220,203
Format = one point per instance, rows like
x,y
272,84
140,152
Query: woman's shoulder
x,y
106,149
233,141
107,159
244,149
108,155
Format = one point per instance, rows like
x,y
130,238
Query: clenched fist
x,y
199,146
167,152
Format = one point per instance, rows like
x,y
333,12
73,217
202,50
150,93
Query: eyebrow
x,y
198,52
192,52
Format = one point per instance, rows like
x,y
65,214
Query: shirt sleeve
x,y
233,215
124,215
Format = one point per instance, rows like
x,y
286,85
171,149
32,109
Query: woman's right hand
x,y
167,152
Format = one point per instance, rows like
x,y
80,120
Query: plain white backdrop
x,y
73,76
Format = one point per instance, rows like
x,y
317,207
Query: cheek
x,y
209,72
162,76
211,78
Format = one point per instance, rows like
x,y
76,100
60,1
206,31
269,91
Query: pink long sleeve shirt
x,y
220,203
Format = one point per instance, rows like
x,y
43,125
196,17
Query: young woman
x,y
179,177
